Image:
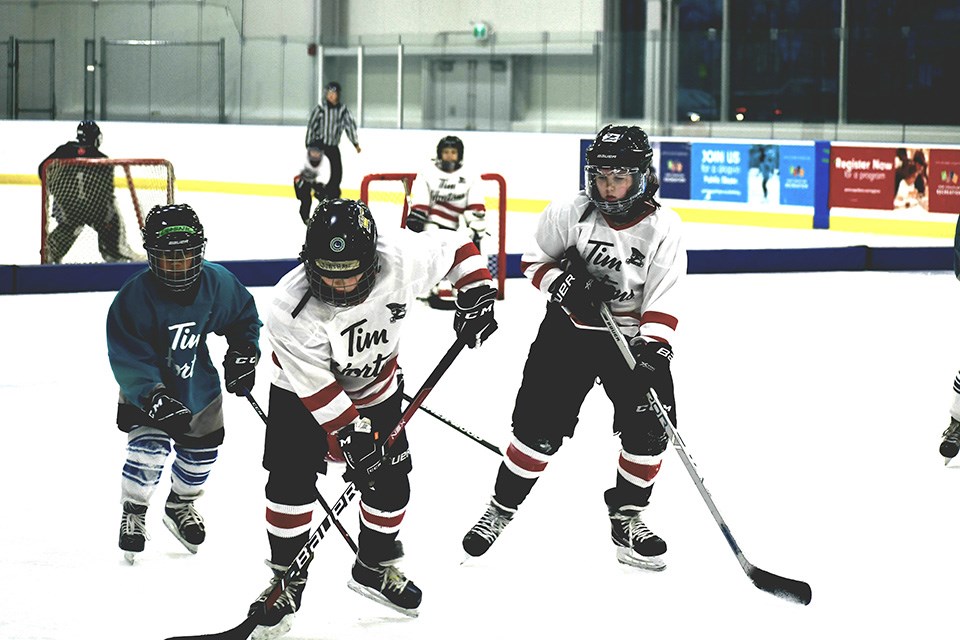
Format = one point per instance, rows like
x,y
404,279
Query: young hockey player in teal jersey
x,y
170,396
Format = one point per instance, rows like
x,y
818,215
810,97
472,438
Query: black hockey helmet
x,y
341,244
174,240
618,152
452,142
88,134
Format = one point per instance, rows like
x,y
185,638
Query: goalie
x,y
83,195
446,199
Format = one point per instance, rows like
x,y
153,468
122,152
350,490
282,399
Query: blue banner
x,y
719,171
675,170
797,175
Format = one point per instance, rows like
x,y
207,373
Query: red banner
x,y
862,177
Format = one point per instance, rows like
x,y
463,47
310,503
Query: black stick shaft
x,y
456,427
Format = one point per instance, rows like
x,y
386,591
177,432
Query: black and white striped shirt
x,y
328,122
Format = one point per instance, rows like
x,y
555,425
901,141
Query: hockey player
x,y
84,195
335,327
446,197
169,388
328,121
611,243
306,184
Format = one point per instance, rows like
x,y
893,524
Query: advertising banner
x,y
719,171
944,180
797,175
862,177
675,170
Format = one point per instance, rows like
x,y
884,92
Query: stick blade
x,y
240,632
792,590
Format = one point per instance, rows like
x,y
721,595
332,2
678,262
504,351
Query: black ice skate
x,y
951,441
637,546
184,522
278,619
133,529
488,529
383,582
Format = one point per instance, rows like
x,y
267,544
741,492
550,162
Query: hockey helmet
x,y
449,142
174,240
341,245
618,153
88,134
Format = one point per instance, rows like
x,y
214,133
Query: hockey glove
x,y
416,219
240,369
474,320
653,372
169,414
477,224
361,451
578,291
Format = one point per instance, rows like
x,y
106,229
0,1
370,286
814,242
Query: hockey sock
x,y
190,470
147,451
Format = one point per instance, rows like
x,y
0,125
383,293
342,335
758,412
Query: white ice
x,y
812,403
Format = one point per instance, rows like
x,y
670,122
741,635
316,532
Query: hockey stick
x,y
319,496
243,630
457,427
786,588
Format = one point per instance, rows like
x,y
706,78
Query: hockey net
x,y
93,208
389,201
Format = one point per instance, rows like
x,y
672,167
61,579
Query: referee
x,y
328,121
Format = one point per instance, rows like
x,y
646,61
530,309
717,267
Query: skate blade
x,y
130,556
269,633
172,527
376,596
633,559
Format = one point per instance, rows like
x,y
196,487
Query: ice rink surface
x,y
812,403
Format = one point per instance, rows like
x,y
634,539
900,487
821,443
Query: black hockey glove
x,y
361,451
169,413
240,369
416,219
653,372
474,320
579,291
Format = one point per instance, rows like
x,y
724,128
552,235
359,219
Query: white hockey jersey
x,y
447,198
339,359
643,259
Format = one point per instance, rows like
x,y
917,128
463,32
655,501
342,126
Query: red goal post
x,y
84,193
497,258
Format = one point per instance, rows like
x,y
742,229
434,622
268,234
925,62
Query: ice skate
x,y
951,441
637,546
483,534
133,530
278,619
184,522
383,582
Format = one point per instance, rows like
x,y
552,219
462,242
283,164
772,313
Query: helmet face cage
x,y
593,173
618,151
318,268
175,245
88,134
452,142
341,244
177,269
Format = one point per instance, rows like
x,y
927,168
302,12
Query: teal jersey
x,y
154,340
